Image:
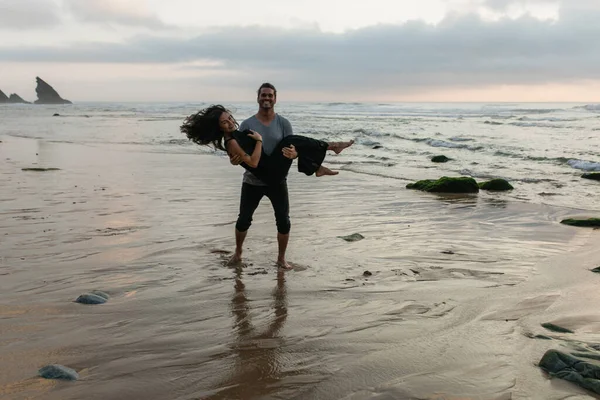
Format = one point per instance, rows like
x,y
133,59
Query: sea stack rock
x,y
3,97
15,98
47,95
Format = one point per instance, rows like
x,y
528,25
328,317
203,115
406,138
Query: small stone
x,y
56,115
367,273
355,237
90,298
447,252
55,371
596,270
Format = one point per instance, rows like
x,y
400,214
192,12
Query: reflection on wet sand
x,y
259,357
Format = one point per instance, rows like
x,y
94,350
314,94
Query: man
x,y
273,128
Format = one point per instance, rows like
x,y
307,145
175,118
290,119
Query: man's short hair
x,y
266,85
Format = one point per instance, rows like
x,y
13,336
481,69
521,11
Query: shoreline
x,y
145,227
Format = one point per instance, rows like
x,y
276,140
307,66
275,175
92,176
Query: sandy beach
x,y
458,286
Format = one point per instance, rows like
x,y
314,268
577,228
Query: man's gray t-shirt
x,y
279,128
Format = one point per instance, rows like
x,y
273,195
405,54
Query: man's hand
x,y
235,159
290,152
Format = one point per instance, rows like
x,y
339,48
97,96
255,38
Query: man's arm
x,y
289,152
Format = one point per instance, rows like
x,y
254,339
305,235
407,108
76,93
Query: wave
x,y
584,165
537,125
534,110
589,107
551,119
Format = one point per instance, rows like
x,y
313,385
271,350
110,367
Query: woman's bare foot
x,y
325,171
337,147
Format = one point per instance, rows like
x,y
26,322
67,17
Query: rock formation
x,y
47,95
3,97
15,98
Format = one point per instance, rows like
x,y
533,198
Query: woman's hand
x,y
255,135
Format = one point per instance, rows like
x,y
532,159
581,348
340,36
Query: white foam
x,y
584,165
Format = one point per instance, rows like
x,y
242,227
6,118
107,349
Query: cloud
x,y
461,51
28,14
123,12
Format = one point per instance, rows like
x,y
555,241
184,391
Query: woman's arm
x,y
234,149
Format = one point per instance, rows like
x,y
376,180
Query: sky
x,y
311,50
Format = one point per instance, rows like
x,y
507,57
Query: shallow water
x,y
443,314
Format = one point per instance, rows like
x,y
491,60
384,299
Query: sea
x,y
540,148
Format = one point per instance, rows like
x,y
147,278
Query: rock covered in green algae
x,y
55,371
594,175
569,368
94,297
596,270
355,237
462,184
556,328
440,159
496,184
588,223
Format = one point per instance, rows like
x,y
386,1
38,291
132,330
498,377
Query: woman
x,y
216,126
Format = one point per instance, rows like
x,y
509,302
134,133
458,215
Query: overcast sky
x,y
312,50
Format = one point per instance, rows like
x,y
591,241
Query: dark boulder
x,y
587,223
440,159
446,184
496,184
47,95
594,175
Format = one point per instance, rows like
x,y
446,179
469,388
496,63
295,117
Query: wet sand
x,y
459,285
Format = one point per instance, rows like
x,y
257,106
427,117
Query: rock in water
x,y
446,184
569,368
47,95
440,159
92,298
355,237
594,175
15,98
589,223
55,371
496,185
3,97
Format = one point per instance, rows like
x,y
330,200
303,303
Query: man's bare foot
x,y
325,171
235,260
284,265
337,147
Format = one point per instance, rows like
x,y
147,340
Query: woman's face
x,y
227,123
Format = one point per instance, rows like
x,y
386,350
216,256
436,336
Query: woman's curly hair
x,y
203,127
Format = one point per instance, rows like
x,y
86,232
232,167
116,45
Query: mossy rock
x,y
440,159
594,176
40,169
496,184
596,270
556,328
446,184
587,223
